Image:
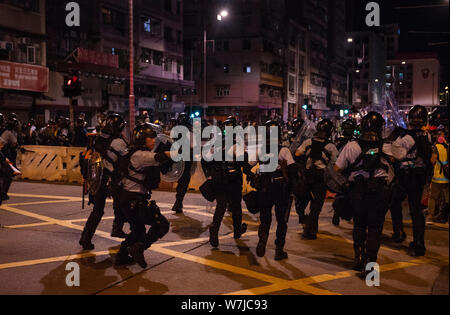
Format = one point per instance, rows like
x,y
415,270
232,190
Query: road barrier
x,y
61,164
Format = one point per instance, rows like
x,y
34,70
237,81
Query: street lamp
x,y
223,14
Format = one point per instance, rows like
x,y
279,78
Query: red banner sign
x,y
23,77
97,58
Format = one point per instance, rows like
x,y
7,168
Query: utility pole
x,y
131,97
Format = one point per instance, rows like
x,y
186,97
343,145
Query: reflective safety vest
x,y
438,176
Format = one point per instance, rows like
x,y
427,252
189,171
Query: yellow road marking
x,y
27,225
56,259
277,283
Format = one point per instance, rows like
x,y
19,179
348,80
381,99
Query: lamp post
x,y
223,14
131,97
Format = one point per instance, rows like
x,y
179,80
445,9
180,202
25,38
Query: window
x,y
168,65
291,84
168,34
157,58
178,7
226,45
246,44
222,90
168,5
247,68
147,25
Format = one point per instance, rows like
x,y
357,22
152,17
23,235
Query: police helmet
x,y
12,115
272,123
418,116
2,120
348,128
372,127
12,124
297,124
114,125
184,120
324,129
143,132
230,122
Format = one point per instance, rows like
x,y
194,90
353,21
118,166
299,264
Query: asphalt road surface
x,y
41,225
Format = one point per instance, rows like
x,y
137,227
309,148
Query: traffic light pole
x,y
132,97
72,116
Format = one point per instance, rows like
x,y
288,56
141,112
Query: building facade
x,y
24,77
99,51
415,79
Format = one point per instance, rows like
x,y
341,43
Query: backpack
x,y
423,146
317,150
370,159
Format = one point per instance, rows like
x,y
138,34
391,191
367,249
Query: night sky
x,y
418,26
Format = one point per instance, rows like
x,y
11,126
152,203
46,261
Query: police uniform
x,y
111,147
412,178
11,143
143,175
183,182
226,178
273,189
370,173
116,150
316,163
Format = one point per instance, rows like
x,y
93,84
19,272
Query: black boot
x,y
417,249
399,235
336,220
364,273
261,247
178,206
137,252
123,258
214,236
443,215
85,240
239,232
359,258
117,230
280,254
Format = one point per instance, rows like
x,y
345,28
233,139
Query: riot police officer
x,y
318,153
348,134
141,176
111,147
183,182
10,137
80,134
369,174
273,189
227,181
414,149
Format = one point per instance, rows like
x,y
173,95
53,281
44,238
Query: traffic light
x,y
72,86
196,112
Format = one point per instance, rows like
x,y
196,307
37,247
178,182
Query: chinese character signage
x,y
23,77
97,58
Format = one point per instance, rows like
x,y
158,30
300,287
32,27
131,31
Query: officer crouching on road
x,y
111,146
273,189
141,176
318,152
414,150
226,176
370,173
